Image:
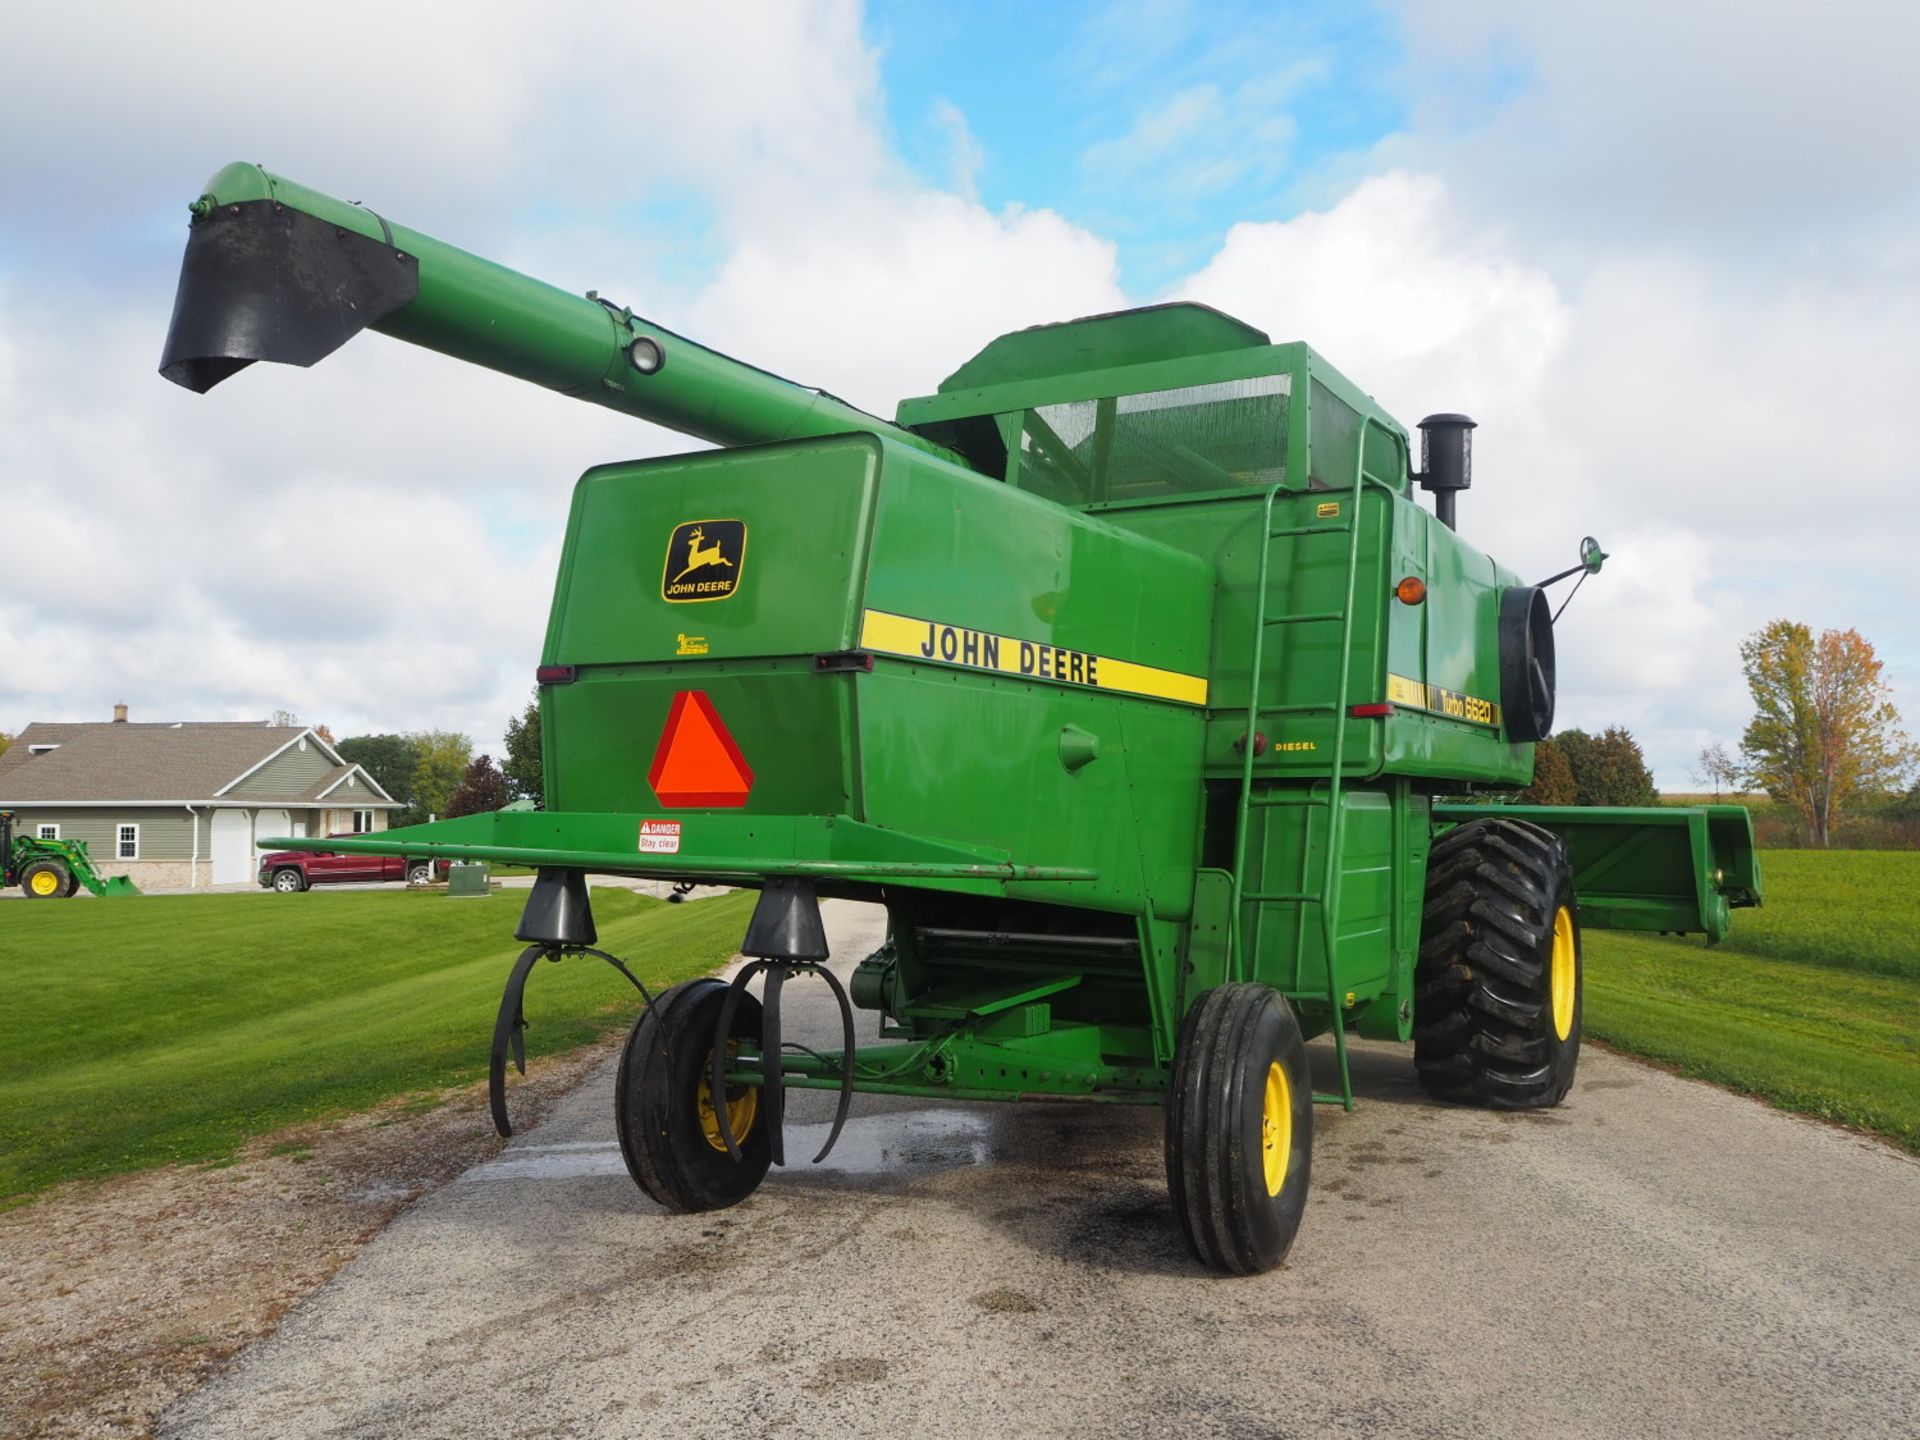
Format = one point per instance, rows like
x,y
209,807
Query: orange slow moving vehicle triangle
x,y
697,762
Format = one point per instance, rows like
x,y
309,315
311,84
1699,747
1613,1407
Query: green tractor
x,y
51,869
1126,671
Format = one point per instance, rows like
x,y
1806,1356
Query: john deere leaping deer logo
x,y
704,559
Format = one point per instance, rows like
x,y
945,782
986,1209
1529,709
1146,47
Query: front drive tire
x,y
46,880
289,882
1497,995
1239,1140
662,1106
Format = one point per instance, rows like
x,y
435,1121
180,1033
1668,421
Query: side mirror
x,y
1592,557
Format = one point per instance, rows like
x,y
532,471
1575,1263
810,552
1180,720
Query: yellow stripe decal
x,y
1451,703
938,644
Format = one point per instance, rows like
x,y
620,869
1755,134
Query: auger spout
x,y
276,271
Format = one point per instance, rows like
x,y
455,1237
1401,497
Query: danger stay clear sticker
x,y
659,837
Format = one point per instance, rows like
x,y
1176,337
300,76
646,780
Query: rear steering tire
x,y
1497,991
420,873
663,1103
46,880
1239,1139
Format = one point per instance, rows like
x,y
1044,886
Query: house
x,y
173,806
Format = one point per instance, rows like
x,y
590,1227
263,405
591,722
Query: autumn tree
x,y
1608,768
1552,778
482,788
1715,767
441,766
5,741
1824,730
522,767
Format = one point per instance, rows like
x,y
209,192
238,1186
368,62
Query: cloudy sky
x,y
1670,262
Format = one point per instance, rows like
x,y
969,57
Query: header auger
x,y
1125,671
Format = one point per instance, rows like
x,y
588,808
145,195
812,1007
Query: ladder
x,y
1326,899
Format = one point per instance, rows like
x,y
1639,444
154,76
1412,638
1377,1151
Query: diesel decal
x,y
1440,701
940,644
704,560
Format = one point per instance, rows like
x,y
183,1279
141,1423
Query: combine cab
x,y
1126,672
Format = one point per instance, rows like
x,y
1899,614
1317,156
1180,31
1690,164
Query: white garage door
x,y
271,825
232,847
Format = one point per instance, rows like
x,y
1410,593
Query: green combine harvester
x,y
52,869
1125,671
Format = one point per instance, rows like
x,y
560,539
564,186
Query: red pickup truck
x,y
291,871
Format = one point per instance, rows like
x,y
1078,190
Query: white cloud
x,y
965,155
1771,128
1742,460
1204,140
1670,268
372,543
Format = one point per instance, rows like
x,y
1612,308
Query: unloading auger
x,y
1127,671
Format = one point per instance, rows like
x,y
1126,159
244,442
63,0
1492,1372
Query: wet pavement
x,y
1656,1258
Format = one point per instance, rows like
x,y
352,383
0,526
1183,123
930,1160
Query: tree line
x,y
1825,742
434,773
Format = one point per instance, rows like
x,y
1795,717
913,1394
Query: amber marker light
x,y
1410,591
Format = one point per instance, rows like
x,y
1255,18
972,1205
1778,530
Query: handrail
x,y
1239,964
1236,963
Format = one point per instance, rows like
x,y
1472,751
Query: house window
x,y
48,832
362,821
127,842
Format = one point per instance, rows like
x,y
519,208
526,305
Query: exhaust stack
x,y
1446,461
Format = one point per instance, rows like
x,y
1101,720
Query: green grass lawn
x,y
1812,1003
172,1028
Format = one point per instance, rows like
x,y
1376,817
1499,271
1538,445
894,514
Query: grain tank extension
x,y
1126,672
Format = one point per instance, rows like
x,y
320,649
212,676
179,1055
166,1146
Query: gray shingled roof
x,y
108,760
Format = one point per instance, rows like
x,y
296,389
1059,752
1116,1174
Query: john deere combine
x,y
1126,671
52,869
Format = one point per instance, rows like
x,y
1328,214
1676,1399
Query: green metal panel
x,y
466,880
1129,337
723,846
1682,869
1284,943
805,508
792,727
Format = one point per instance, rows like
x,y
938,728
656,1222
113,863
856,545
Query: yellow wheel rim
x,y
1565,972
740,1112
45,883
1276,1128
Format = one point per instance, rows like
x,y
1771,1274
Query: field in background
x,y
172,1028
1880,822
1812,1003
166,1029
